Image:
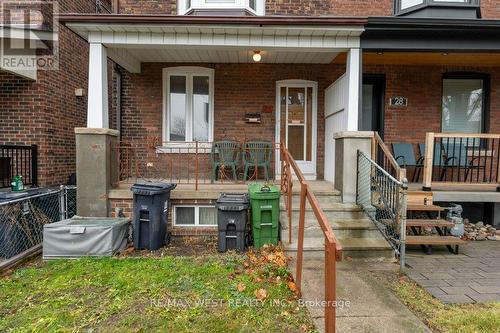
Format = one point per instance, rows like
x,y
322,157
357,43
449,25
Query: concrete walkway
x,y
368,305
473,276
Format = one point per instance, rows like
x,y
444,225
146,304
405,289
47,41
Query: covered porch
x,y
187,82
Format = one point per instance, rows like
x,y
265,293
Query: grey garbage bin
x,y
151,202
232,217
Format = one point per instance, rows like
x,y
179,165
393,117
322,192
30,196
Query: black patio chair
x,y
440,159
405,156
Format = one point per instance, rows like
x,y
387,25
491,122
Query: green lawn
x,y
212,293
452,318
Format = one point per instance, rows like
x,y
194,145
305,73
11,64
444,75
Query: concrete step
x,y
342,228
319,188
357,248
322,200
341,213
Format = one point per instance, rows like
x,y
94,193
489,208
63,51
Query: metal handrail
x,y
333,250
392,193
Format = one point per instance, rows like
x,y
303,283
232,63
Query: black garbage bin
x,y
232,217
151,202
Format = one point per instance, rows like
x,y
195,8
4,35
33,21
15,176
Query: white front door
x,y
296,114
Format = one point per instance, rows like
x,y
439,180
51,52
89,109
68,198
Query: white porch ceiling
x,y
132,44
230,56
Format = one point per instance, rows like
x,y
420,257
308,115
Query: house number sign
x,y
399,101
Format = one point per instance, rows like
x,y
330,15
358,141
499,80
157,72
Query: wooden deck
x,y
459,192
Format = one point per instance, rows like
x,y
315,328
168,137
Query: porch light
x,y
256,56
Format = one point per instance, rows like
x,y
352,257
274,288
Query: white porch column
x,y
97,107
354,82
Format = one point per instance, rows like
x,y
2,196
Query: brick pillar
x,y
347,145
96,169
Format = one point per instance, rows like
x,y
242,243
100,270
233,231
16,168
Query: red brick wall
x,y
148,7
239,89
489,8
422,86
45,112
329,7
126,206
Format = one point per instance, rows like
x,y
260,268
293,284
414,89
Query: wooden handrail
x,y
466,135
333,250
377,141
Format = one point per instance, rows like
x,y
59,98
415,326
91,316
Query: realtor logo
x,y
28,35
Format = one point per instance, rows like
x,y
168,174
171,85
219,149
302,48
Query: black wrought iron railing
x,y
17,160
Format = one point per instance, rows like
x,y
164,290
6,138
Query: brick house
x,y
305,70
164,80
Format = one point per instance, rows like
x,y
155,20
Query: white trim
x,y
189,72
196,216
308,168
97,106
230,4
305,38
354,86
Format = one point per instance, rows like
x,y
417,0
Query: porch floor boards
x,y
460,192
212,191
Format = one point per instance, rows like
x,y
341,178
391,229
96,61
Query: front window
x,y
253,7
188,114
463,105
205,216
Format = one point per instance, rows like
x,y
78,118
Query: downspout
x,y
116,6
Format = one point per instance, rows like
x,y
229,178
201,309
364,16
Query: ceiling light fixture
x,y
256,56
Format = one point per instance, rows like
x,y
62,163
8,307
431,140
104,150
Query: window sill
x,y
184,148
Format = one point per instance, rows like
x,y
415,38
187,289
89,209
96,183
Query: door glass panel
x,y
201,108
365,117
309,100
283,119
296,102
296,121
462,109
177,98
296,142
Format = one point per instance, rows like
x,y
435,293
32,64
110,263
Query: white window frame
x,y
188,72
221,4
196,216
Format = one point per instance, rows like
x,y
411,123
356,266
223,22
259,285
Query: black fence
x,y
16,160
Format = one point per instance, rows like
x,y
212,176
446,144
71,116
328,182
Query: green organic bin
x,y
265,204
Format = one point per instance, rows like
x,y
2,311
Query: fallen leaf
x,y
292,286
241,287
260,294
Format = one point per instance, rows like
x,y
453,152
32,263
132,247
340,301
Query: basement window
x,y
205,7
195,216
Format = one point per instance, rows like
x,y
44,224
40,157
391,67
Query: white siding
x,y
335,121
